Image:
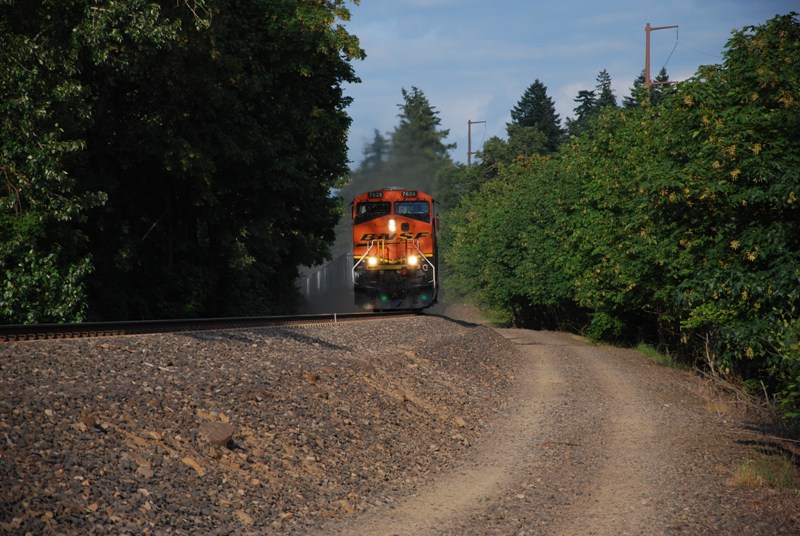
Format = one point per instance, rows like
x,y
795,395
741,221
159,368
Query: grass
x,y
658,357
775,470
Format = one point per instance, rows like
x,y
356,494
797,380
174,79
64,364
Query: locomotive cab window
x,y
371,210
418,210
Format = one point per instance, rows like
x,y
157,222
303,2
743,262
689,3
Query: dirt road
x,y
599,441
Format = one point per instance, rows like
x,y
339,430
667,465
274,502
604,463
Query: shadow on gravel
x,y
248,337
459,322
305,339
209,336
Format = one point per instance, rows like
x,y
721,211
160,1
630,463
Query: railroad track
x,y
27,332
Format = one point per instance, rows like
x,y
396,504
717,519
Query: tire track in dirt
x,y
619,494
575,447
456,495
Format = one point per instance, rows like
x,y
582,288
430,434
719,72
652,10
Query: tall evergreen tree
x,y
536,109
584,111
372,171
658,91
638,91
605,95
418,149
375,153
412,157
590,102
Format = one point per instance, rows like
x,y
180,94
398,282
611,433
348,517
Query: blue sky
x,y
474,59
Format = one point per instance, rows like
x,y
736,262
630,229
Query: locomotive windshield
x,y
371,210
418,210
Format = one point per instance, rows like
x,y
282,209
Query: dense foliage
x,y
674,221
164,158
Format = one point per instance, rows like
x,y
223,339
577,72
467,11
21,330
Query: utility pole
x,y
469,139
647,82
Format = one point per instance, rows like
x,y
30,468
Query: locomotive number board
x,y
409,193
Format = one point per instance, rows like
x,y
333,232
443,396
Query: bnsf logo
x,y
387,236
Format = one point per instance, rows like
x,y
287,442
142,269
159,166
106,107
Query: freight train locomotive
x,y
394,249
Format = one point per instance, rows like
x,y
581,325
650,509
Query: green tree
x,y
639,92
535,129
415,156
373,170
376,153
521,142
418,144
43,110
536,109
214,131
503,243
246,125
590,103
618,255
734,131
584,111
605,95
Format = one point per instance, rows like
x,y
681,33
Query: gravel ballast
x,y
110,435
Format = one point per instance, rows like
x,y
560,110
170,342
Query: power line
x,y
701,52
670,55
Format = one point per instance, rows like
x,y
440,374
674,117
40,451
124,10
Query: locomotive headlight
x,y
392,226
413,260
372,261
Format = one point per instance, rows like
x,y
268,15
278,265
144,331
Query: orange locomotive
x,y
394,249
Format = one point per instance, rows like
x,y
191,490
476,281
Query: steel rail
x,y
27,332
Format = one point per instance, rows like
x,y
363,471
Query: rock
x,y
144,472
313,378
244,517
217,433
345,506
194,465
140,461
88,419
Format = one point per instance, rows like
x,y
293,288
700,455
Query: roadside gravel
x,y
410,426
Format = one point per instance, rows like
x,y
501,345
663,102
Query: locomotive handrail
x,y
364,256
415,243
